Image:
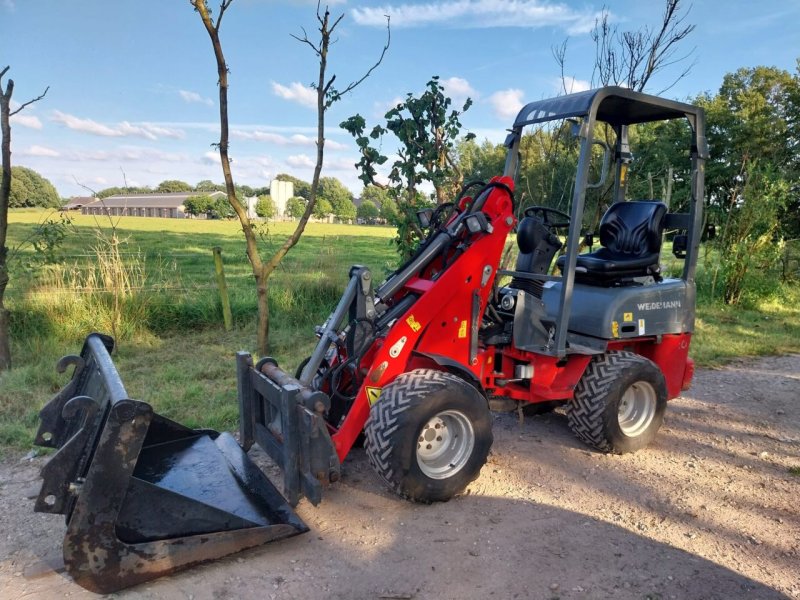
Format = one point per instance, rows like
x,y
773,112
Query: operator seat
x,y
537,247
630,236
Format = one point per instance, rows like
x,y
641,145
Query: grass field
x,y
174,351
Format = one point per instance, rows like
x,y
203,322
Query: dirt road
x,y
711,510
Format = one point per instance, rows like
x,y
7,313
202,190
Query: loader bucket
x,y
145,496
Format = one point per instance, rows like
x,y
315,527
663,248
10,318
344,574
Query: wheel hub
x,y
445,444
637,407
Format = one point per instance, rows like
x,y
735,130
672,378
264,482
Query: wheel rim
x,y
445,444
637,407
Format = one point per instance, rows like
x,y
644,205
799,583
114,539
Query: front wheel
x,y
619,402
429,435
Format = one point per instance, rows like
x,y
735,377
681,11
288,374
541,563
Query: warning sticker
x,y
627,317
413,323
641,326
614,329
373,393
462,330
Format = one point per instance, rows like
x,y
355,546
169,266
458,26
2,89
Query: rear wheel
x,y
429,435
619,402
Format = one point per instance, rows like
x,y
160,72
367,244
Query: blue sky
x,y
133,84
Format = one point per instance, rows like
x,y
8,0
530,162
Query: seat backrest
x,y
633,228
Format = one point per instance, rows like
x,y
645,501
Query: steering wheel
x,y
544,213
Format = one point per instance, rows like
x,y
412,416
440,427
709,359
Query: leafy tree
x,y
5,193
173,185
368,211
295,207
375,194
389,211
118,191
327,95
301,188
206,185
202,204
322,209
28,188
265,207
339,197
480,162
750,230
427,131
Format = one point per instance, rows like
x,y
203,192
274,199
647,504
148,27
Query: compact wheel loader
x,y
411,366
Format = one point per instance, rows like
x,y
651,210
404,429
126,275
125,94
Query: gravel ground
x,y
710,510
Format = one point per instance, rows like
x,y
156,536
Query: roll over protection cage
x,y
619,107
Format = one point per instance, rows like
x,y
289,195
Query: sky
x,y
132,85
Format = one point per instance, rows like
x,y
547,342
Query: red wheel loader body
x,y
413,363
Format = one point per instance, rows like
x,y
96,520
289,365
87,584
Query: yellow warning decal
x,y
614,329
373,393
462,330
627,317
413,323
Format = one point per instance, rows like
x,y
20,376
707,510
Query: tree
x,y
295,207
116,191
427,131
265,207
327,95
375,194
368,211
170,186
632,58
339,197
202,204
5,193
28,188
322,209
206,185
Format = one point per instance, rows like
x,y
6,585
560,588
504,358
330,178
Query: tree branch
x,y
29,102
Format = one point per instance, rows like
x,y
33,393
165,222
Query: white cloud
x,y
296,92
195,98
123,129
507,103
211,158
297,139
471,14
300,161
340,164
39,151
124,155
29,121
458,88
572,85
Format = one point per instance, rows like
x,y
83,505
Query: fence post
x,y
223,288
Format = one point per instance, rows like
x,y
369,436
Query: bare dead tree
x,y
632,58
5,193
327,95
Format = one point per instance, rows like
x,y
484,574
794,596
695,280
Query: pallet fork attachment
x,y
145,496
287,420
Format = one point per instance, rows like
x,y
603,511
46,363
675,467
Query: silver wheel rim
x,y
637,407
444,444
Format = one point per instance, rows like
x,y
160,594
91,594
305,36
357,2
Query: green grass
x,y
175,353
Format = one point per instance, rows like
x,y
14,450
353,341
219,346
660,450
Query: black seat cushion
x,y
630,236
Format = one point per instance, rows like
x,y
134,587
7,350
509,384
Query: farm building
x,y
78,202
144,205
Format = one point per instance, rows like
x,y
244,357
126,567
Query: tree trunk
x,y
5,193
263,315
